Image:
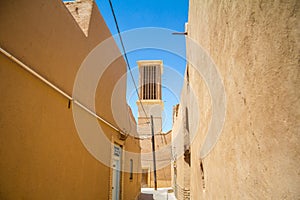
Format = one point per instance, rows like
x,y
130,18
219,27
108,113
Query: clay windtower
x,y
150,93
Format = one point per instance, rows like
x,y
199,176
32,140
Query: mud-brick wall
x,y
255,46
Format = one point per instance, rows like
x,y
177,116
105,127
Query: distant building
x,y
42,155
151,104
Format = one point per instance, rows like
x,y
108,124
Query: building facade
x,y
43,44
151,104
254,46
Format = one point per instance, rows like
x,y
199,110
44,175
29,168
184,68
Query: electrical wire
x,y
126,60
129,68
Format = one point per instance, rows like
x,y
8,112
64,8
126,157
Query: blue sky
x,y
170,14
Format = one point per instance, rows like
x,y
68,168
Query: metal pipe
x,y
95,115
57,89
35,74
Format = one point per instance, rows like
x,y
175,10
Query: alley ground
x,y
160,194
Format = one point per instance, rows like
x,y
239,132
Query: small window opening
x,y
187,157
69,104
187,119
187,75
202,175
131,169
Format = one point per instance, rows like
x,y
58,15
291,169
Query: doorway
x,y
145,178
116,172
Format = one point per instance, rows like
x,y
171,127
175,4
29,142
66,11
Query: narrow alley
x,y
149,100
160,194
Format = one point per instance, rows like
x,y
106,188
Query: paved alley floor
x,y
160,194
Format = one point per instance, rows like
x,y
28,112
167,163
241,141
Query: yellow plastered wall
x,y
41,154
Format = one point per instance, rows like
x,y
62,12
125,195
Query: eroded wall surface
x,y
255,46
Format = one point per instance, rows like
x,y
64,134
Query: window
x,y
131,169
150,82
187,119
187,75
202,174
187,157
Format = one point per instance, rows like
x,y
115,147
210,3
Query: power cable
x,y
128,66
126,59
